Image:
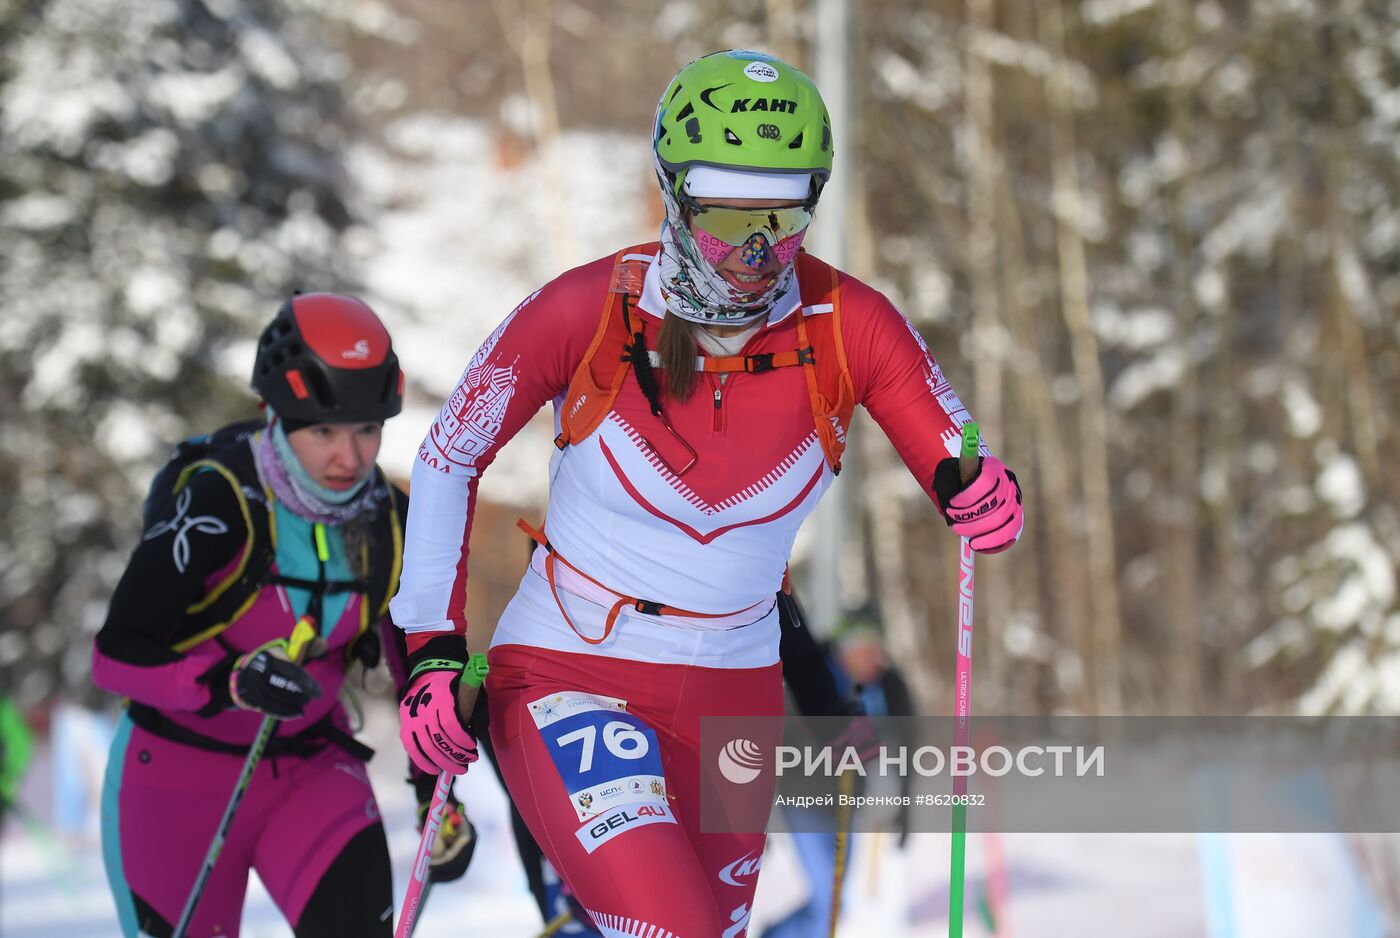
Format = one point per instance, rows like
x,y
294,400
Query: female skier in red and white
x,y
702,389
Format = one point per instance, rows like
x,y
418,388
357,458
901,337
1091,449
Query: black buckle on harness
x,y
805,356
325,587
647,607
758,364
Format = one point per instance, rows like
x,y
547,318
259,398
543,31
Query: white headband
x,y
714,183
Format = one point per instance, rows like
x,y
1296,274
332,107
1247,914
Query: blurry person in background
x,y
869,678
247,530
703,386
864,659
847,676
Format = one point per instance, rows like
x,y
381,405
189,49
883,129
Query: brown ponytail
x,y
675,345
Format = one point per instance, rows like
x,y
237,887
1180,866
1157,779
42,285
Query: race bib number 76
x,y
605,755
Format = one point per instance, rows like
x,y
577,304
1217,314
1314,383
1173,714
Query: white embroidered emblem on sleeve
x,y
471,419
182,526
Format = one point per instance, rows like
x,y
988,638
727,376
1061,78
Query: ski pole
x,y
556,923
843,849
302,635
968,464
474,674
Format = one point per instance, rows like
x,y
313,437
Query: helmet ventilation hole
x,y
796,141
391,384
320,388
731,137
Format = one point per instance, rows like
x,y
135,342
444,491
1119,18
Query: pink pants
x,y
612,792
162,802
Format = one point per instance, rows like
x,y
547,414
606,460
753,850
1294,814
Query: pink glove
x,y
987,510
429,724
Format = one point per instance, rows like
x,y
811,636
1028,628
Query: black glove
x,y
947,483
267,681
216,679
366,649
857,732
456,838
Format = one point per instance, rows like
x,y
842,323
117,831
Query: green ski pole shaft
x,y
968,464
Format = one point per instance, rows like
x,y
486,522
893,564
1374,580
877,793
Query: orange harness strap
x,y
822,410
758,364
644,606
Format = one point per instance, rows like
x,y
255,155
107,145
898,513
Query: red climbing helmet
x,y
327,358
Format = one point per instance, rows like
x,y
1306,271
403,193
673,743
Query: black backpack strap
x,y
324,587
387,559
308,742
168,480
235,595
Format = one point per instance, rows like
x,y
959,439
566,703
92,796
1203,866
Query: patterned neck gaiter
x,y
693,290
284,474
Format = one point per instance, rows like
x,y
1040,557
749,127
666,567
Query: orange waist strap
x,y
644,606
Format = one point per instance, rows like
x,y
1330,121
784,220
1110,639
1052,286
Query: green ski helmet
x,y
742,110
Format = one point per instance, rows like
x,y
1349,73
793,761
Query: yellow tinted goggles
x,y
734,226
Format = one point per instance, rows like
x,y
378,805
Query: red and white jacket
x,y
713,539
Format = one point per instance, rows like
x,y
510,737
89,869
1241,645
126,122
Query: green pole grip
x,y
476,670
967,459
971,439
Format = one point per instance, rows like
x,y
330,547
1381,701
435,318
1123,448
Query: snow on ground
x,y
1124,886
48,890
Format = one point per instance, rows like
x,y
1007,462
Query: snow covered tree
x,y
169,171
1226,172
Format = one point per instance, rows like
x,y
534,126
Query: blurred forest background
x,y
1154,243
